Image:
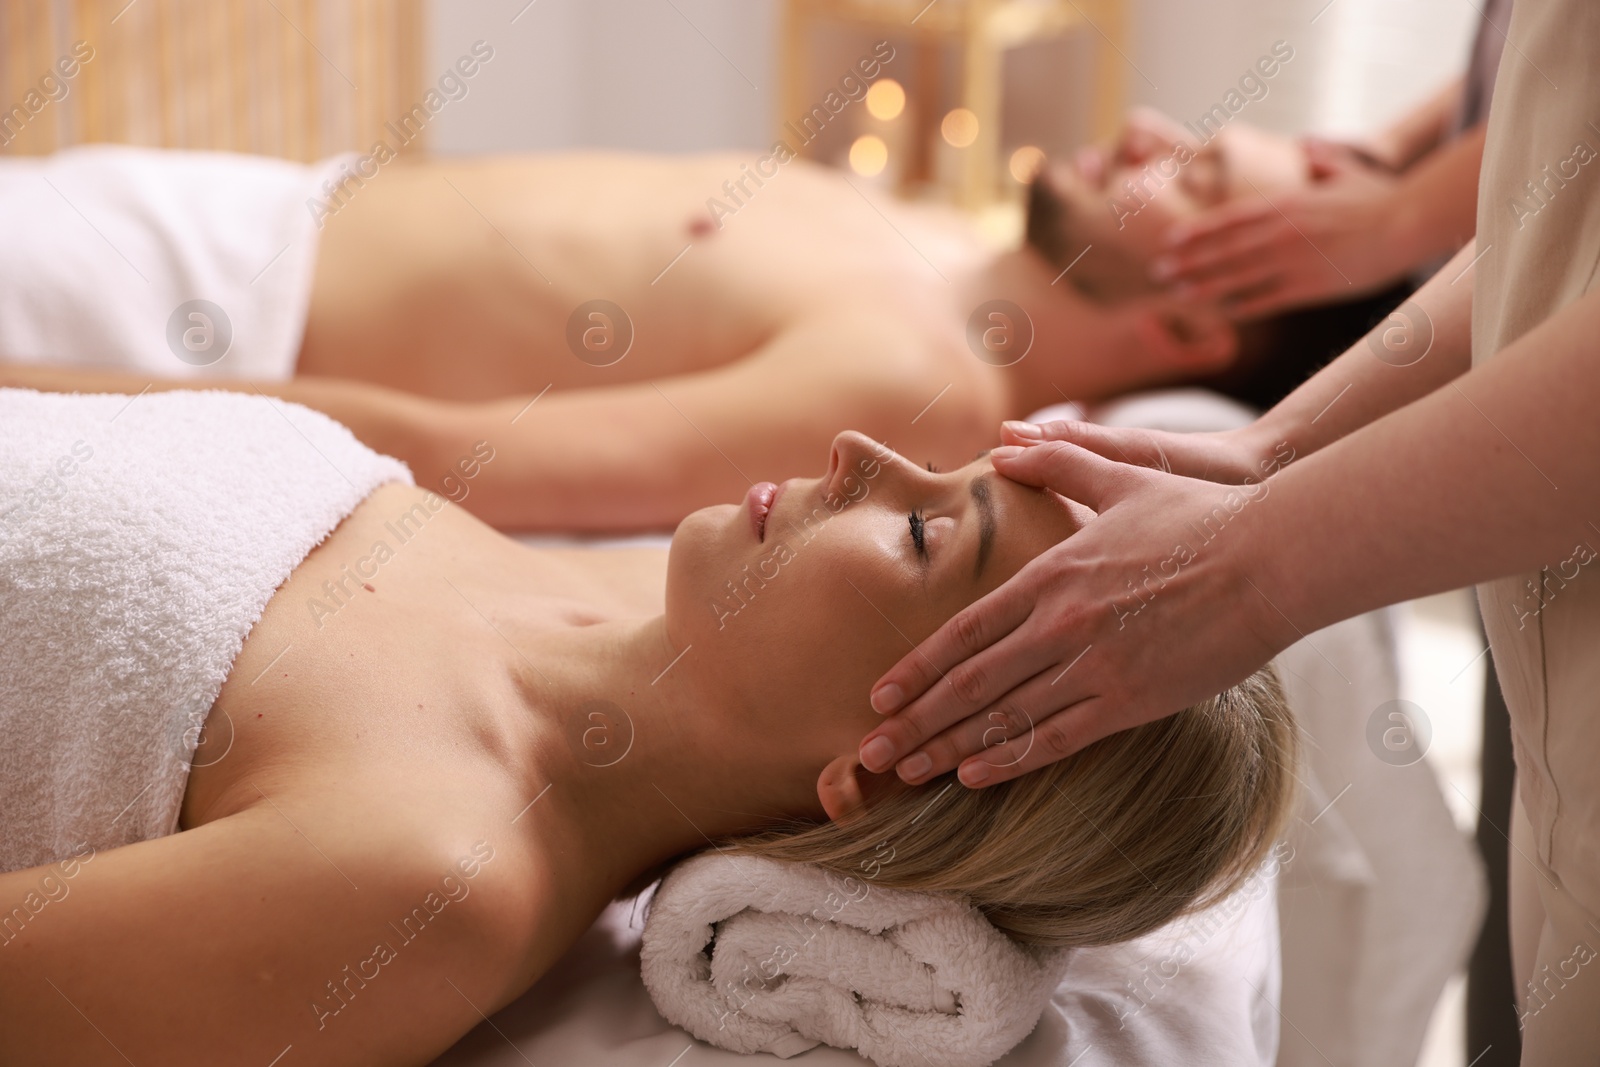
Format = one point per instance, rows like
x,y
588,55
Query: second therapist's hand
x,y
1134,617
1246,454
1344,235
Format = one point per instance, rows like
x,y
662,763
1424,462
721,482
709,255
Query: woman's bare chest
x,y
394,654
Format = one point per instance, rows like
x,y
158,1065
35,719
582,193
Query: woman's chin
x,y
708,548
712,524
706,539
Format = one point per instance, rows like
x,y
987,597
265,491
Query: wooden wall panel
x,y
294,78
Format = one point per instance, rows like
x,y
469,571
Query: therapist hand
x,y
1230,456
1343,236
1067,652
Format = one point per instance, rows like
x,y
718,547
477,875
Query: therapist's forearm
x,y
1491,475
1435,205
1359,386
1419,130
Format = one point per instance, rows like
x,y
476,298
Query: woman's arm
x,y
1433,208
1490,475
240,940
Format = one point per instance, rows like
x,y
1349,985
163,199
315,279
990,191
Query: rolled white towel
x,y
755,955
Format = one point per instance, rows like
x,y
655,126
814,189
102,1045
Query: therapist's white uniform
x,y
1540,251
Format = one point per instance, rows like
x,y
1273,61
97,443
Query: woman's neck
x,y
636,757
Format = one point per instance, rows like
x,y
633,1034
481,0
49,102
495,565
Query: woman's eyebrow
x,y
986,524
979,456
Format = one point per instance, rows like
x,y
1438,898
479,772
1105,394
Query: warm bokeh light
x,y
886,99
868,156
960,127
1025,162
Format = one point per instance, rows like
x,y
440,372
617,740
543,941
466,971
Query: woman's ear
x,y
845,787
839,789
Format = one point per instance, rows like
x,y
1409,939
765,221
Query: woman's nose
x,y
855,457
848,447
853,449
842,460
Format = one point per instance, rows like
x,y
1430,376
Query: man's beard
x,y
1046,222
1054,229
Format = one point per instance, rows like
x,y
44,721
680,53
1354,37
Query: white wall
x,y
690,75
609,73
1389,53
1357,62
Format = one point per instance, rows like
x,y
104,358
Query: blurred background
x,y
691,75
305,78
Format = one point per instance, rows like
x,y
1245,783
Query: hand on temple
x,y
1147,610
1229,456
1341,237
1146,135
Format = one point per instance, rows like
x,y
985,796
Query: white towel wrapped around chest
x,y
754,955
140,540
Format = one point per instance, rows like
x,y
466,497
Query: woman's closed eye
x,y
918,526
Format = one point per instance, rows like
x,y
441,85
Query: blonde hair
x,y
1096,848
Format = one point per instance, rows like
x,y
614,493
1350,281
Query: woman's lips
x,y
760,498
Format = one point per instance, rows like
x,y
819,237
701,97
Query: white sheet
x,y
108,248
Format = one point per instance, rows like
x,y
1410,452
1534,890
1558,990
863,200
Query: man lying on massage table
x,y
420,738
449,296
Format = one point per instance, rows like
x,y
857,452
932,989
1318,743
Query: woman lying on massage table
x,y
414,817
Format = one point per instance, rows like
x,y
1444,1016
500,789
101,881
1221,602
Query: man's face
x,y
1123,198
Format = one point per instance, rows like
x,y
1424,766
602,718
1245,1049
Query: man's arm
x,y
636,456
641,456
383,419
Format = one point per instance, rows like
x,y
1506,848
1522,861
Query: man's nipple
x,y
701,225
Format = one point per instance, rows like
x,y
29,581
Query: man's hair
x,y
1099,847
